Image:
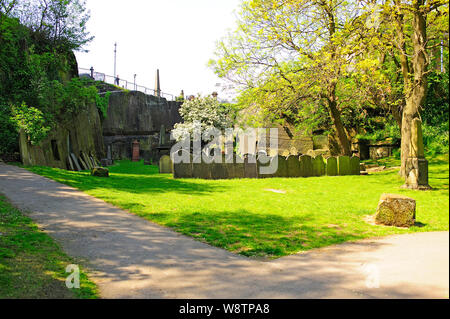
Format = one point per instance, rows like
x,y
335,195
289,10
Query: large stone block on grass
x,y
319,168
355,167
343,165
332,168
100,172
396,210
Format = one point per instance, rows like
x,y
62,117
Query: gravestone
x,y
355,167
318,166
293,166
250,166
343,165
282,170
219,171
183,170
306,166
165,165
332,168
83,164
71,166
75,162
201,170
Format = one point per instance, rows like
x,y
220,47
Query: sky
x,y
178,37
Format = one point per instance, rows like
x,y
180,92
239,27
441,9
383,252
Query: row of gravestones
x,y
291,166
82,163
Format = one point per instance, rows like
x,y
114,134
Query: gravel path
x,y
129,257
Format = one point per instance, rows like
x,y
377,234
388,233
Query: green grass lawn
x,y
32,265
242,216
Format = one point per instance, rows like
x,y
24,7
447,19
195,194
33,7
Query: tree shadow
x,y
139,182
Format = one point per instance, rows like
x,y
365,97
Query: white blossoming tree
x,y
202,113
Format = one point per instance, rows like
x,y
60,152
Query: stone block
x,y
100,172
396,210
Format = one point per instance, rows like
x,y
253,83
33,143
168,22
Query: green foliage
x,y
436,109
32,264
36,91
435,138
102,103
54,24
32,121
8,131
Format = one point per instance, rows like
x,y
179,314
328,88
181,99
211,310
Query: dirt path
x,y
129,257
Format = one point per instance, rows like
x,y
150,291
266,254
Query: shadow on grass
x,y
257,235
140,181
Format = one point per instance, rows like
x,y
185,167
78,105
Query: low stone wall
x,y
290,167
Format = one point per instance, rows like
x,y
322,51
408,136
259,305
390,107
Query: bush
x,y
435,139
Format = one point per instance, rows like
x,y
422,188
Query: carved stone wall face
x,y
82,134
137,116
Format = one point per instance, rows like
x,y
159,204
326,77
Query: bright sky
x,y
177,37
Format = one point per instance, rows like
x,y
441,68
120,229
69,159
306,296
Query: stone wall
x,y
81,134
290,167
137,116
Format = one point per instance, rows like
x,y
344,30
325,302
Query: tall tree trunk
x,y
341,134
415,90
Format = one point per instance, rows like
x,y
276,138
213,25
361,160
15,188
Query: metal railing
x,y
124,84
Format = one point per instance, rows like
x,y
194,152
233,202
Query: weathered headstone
x,y
355,167
201,170
396,210
319,168
71,166
332,168
100,172
83,164
282,170
306,166
75,162
293,166
343,165
250,166
165,165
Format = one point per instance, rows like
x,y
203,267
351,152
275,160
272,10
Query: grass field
x,y
264,217
32,265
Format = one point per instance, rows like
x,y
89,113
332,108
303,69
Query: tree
x,y
202,113
59,24
409,24
296,52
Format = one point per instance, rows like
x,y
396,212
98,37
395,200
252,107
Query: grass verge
x,y
264,217
32,265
